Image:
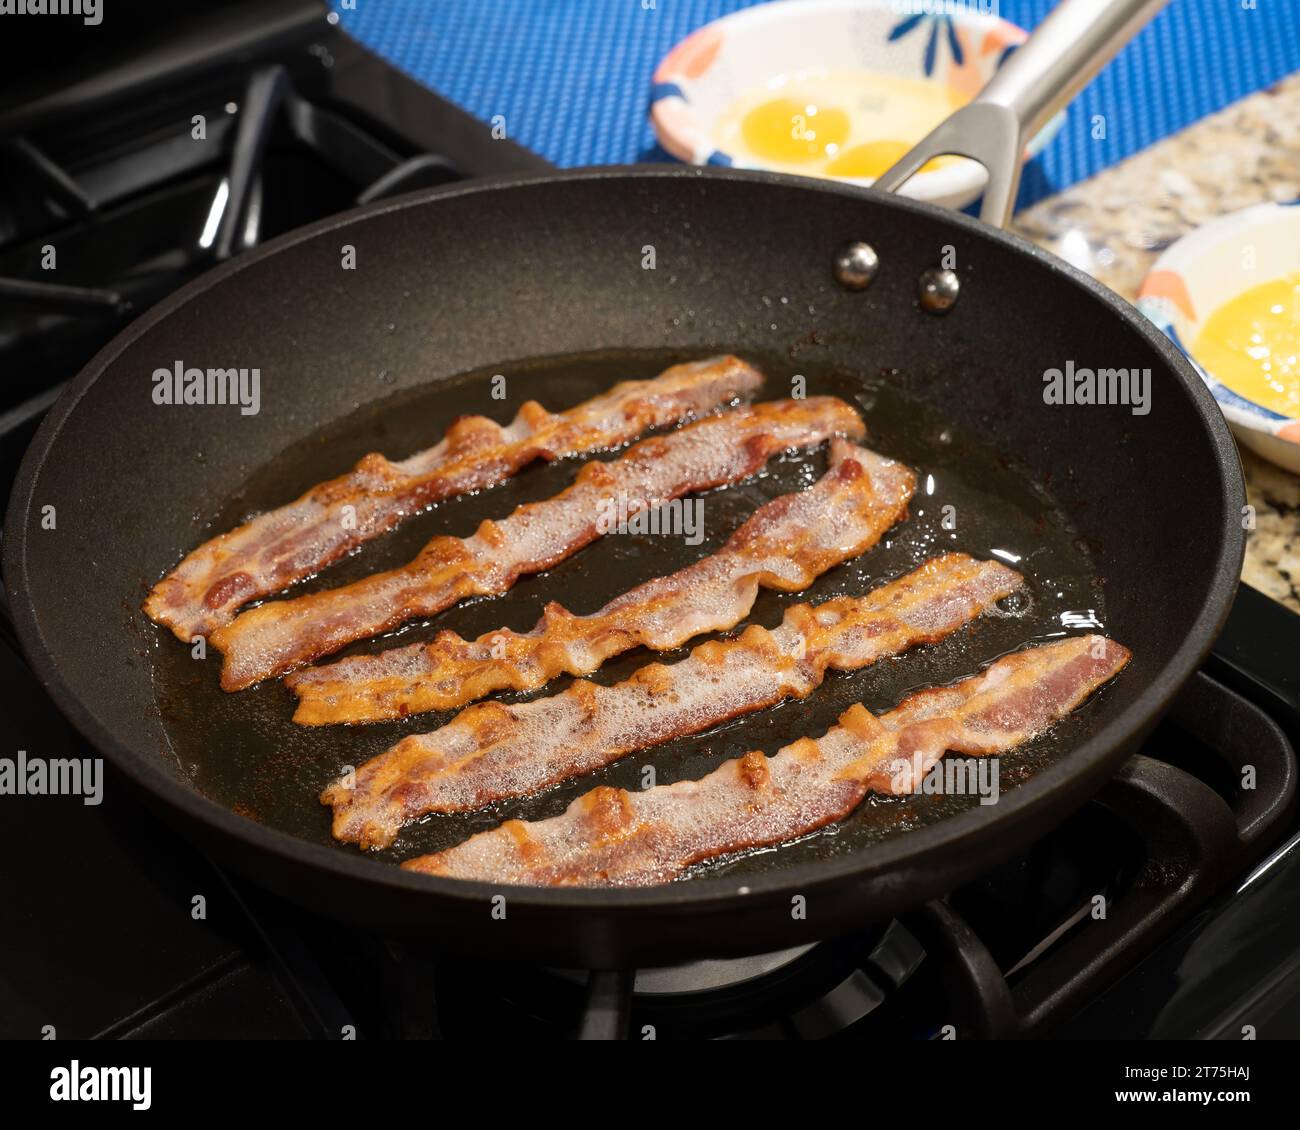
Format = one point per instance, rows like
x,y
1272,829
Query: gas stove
x,y
1191,853
172,151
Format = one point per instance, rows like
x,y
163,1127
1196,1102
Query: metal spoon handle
x,y
1066,50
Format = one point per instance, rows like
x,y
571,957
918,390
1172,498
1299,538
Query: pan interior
x,y
243,751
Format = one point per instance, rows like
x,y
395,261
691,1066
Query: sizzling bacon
x,y
281,635
785,545
282,546
611,837
493,751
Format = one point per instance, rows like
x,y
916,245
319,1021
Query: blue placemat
x,y
572,77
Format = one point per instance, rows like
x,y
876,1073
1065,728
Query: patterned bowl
x,y
1211,266
703,76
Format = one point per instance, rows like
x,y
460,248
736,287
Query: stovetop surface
x,y
116,927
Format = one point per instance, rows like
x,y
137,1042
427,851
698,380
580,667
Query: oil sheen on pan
x,y
245,752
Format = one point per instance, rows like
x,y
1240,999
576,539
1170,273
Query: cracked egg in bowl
x,y
1228,295
833,88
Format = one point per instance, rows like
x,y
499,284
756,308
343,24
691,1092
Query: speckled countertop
x,y
1116,224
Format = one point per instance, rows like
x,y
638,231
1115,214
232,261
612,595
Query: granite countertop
x,y
1116,224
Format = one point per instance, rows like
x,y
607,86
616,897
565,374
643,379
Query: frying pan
x,y
487,276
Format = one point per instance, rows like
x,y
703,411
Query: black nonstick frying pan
x,y
1124,519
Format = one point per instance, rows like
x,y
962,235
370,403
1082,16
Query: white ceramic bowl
x,y
1210,266
704,75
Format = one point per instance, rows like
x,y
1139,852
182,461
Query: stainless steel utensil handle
x,y
1066,50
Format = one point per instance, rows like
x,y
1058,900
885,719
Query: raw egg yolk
x,y
786,130
1252,344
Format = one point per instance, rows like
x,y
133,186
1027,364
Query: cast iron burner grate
x,y
297,125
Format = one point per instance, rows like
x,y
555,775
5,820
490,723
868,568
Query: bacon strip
x,y
279,636
610,837
282,546
491,751
785,545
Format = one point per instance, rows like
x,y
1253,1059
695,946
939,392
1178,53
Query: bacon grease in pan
x,y
244,752
284,545
281,635
493,751
785,545
611,837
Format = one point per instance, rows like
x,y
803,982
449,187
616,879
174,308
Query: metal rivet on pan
x,y
856,264
938,290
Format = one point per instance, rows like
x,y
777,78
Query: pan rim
x,y
1098,753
